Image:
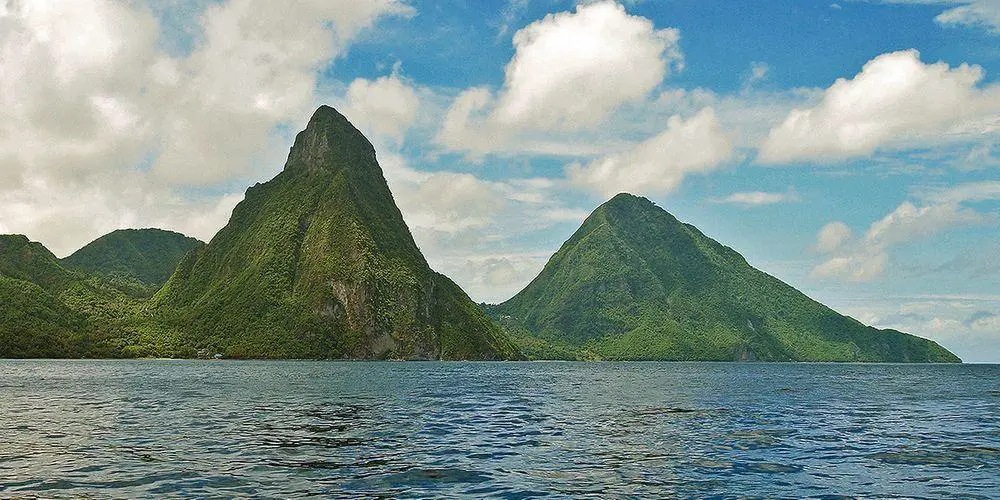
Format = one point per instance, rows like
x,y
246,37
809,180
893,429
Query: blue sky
x,y
849,148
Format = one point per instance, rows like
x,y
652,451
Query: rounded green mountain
x,y
634,283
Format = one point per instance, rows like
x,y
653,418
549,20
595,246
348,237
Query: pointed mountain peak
x,y
628,201
329,142
627,198
626,209
327,117
319,263
634,283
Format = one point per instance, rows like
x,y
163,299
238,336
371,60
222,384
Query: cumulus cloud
x,y
895,99
658,165
963,13
481,233
570,72
861,266
982,13
442,201
386,106
496,278
868,257
833,236
910,222
966,324
984,321
759,198
256,68
66,217
93,108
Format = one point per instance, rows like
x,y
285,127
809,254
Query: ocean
x,y
145,428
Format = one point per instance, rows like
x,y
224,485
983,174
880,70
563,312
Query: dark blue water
x,y
292,429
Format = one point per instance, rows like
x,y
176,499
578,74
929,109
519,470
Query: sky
x,y
851,149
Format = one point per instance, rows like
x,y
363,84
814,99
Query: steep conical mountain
x,y
318,262
635,283
148,256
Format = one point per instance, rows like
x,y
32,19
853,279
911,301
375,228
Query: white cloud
x,y
868,257
65,217
204,221
570,72
971,191
479,232
386,106
658,165
496,278
92,109
966,325
760,198
758,72
441,202
982,13
963,13
749,115
909,222
833,236
464,126
984,321
895,99
256,68
859,267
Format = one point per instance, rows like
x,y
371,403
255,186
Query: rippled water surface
x,y
290,429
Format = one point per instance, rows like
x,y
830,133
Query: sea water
x,y
514,430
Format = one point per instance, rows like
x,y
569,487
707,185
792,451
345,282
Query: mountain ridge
x,y
318,263
148,256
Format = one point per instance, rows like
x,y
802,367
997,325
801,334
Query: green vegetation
x,y
35,324
137,259
49,311
634,283
318,263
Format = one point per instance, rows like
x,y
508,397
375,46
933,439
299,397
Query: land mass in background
x,y
318,263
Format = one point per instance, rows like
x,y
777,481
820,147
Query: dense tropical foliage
x,y
143,258
318,263
634,283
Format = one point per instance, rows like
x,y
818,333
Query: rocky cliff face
x,y
318,262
